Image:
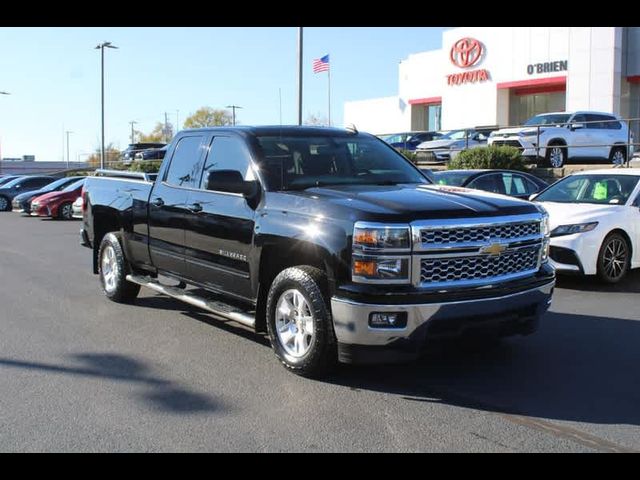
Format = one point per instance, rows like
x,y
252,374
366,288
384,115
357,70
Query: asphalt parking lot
x,y
80,373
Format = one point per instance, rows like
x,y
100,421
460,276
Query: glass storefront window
x,y
523,107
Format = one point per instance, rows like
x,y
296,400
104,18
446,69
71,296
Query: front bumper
x,y
577,253
360,343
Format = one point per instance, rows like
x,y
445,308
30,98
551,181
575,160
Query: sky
x,y
53,77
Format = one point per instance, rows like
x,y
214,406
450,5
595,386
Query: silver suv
x,y
560,137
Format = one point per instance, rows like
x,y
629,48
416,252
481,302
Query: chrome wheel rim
x,y
67,211
294,323
618,158
556,157
615,258
3,203
109,268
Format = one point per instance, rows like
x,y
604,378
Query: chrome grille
x,y
435,270
448,236
508,143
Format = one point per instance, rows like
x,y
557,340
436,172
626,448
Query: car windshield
x,y
74,185
598,189
451,178
395,137
4,181
58,184
555,119
13,182
299,162
455,135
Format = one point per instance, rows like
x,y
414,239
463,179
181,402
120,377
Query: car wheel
x,y
614,258
65,211
556,156
4,204
299,321
618,156
113,269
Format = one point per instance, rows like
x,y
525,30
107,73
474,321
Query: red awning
x,y
535,85
425,101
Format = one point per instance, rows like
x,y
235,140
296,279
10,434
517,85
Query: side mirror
x,y
532,196
576,126
231,181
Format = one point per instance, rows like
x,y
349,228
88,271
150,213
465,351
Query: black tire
x,y
119,290
618,156
614,246
321,356
550,159
5,204
65,211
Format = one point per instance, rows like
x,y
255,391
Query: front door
x,y
219,231
168,204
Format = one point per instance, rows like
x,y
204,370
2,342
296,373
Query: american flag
x,y
321,64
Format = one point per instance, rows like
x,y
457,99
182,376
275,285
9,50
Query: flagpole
x,y
329,83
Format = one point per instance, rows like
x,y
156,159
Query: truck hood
x,y
401,203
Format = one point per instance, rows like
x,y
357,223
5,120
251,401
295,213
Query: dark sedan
x,y
152,154
21,185
7,178
506,182
409,140
22,202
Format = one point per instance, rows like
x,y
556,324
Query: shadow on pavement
x,y
630,284
163,394
576,368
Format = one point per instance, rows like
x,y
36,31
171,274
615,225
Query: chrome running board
x,y
216,307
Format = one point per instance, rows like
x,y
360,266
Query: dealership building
x,y
504,75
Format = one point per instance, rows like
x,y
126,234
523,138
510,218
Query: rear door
x,y
168,204
220,225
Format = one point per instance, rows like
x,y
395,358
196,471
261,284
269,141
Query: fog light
x,y
388,320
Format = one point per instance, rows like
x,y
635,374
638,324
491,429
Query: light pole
x,y
233,107
68,132
2,93
102,46
133,122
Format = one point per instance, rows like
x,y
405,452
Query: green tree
x,y
208,117
111,154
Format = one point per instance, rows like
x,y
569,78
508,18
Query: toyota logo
x,y
466,52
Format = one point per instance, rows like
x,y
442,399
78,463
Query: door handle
x,y
195,207
158,202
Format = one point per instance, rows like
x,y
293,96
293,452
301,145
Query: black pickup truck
x,y
328,239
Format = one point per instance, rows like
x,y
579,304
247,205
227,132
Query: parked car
x,y
409,140
19,185
128,154
22,203
506,182
77,207
151,154
450,144
327,239
594,218
8,178
57,204
569,136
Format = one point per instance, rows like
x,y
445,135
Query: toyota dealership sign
x,y
466,53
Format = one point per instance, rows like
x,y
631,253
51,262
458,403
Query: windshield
x,y
455,135
599,189
4,181
74,185
299,162
556,119
13,182
451,178
59,184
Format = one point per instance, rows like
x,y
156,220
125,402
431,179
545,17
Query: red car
x,y
57,204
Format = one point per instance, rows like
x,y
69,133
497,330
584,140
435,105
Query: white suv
x,y
565,136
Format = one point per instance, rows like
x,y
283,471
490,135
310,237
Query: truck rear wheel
x,y
113,269
299,321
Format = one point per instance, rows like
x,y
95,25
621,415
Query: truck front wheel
x,y
299,321
113,269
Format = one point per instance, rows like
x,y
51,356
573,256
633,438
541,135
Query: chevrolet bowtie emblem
x,y
493,249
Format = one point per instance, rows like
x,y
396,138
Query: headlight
x,y
531,133
367,237
575,228
380,269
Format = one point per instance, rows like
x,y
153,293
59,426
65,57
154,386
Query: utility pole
x,y
166,128
2,93
177,121
299,75
133,140
233,107
68,132
280,101
101,47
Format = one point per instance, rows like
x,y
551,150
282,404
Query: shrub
x,y
146,166
490,157
411,156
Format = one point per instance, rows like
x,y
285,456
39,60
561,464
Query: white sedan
x,y
594,217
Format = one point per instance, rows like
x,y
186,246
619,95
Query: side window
x,y
611,123
514,184
593,122
488,183
579,118
185,163
227,153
